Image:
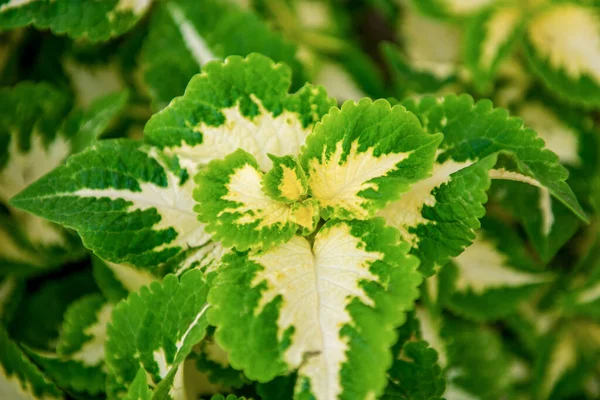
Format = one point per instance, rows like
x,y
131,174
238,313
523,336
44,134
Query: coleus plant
x,y
299,230
265,239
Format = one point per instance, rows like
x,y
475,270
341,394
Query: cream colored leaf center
x,y
316,286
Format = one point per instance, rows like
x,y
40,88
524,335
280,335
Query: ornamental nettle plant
x,y
221,226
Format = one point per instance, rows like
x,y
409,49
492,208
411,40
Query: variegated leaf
x,y
95,20
139,390
327,310
475,130
439,214
20,379
116,281
234,207
493,276
146,332
186,34
563,47
286,181
240,103
490,38
365,155
128,202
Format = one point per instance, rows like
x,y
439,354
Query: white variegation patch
x,y
482,267
559,137
545,201
423,46
264,134
173,203
137,7
562,358
405,213
25,167
206,257
196,45
589,295
338,82
336,180
567,36
498,28
291,186
93,82
461,7
92,351
316,286
430,330
314,14
130,277
15,4
245,188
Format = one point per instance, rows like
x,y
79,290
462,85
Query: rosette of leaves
x,y
290,259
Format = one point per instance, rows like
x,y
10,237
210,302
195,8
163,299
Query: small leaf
x,y
363,156
232,204
286,181
139,390
93,20
328,310
156,328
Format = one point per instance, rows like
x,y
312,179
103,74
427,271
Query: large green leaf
x,y
95,20
156,328
327,310
186,34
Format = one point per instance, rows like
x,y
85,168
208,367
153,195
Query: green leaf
x,y
132,206
557,54
239,103
138,390
11,293
185,34
234,207
328,310
365,155
490,38
475,130
416,374
19,377
439,214
494,275
92,20
286,181
156,328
